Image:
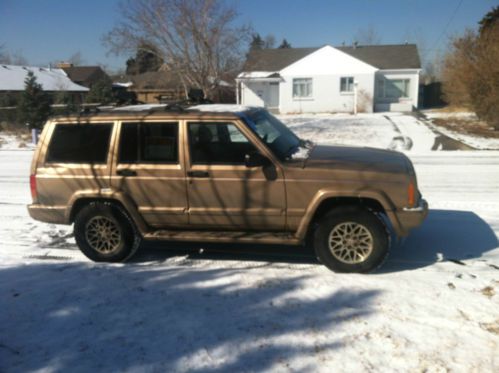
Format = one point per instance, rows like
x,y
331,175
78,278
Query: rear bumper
x,y
409,218
48,214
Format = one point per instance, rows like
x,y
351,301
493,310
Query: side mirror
x,y
255,159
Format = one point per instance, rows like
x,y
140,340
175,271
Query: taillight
x,y
32,185
411,194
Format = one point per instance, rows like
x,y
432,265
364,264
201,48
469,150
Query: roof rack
x,y
89,110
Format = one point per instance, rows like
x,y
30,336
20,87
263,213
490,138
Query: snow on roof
x,y
142,107
217,108
256,74
12,79
123,85
221,108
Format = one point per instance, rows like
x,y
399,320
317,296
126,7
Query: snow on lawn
x,y
381,130
478,142
9,141
433,306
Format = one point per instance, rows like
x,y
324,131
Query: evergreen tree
x,y
284,44
34,105
100,92
489,20
257,42
65,98
146,59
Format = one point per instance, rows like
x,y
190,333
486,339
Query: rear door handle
x,y
198,174
126,172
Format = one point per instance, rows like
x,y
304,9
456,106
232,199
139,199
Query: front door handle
x,y
198,174
126,172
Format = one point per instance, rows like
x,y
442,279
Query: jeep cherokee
x,y
215,173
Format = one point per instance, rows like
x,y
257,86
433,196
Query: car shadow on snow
x,y
445,235
192,251
83,317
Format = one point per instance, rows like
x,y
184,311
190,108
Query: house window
x,y
346,84
394,88
302,88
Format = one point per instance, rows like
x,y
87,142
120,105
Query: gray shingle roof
x,y
385,57
398,56
275,59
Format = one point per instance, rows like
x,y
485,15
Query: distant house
x,y
332,79
165,86
52,80
84,75
153,86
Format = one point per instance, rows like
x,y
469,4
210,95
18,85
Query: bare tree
x,y
269,41
76,59
8,58
4,55
196,39
471,73
367,36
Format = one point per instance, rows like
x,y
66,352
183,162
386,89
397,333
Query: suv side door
x,y
149,169
222,192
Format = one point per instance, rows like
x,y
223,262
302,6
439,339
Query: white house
x,y
332,79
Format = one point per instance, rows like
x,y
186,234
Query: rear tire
x,y
105,233
351,240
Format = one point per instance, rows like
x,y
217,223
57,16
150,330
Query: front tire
x,y
105,233
351,239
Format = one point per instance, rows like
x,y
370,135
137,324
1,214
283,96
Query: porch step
x,y
283,238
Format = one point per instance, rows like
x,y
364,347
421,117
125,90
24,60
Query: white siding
x,y
402,104
326,95
326,66
252,93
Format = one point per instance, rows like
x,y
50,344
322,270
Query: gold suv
x,y
215,173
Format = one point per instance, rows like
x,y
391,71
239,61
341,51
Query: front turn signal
x,y
411,194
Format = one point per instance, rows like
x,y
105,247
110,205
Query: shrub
x,y
471,72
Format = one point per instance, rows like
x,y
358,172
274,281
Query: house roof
x,y
153,80
12,79
84,74
275,59
384,57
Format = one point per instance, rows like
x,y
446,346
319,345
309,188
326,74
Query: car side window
x,y
217,143
148,143
79,143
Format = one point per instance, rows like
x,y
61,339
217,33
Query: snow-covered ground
x,y
396,131
434,306
460,117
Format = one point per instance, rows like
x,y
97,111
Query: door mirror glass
x,y
255,159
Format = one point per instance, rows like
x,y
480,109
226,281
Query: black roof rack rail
x,y
89,110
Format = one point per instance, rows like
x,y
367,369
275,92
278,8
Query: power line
x,y
448,24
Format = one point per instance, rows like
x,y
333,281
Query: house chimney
x,y
62,65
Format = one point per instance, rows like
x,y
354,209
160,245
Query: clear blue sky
x,y
51,30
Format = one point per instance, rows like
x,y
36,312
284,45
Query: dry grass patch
x,y
467,126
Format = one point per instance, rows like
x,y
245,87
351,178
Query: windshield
x,y
279,138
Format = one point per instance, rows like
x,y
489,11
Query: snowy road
x,y
434,306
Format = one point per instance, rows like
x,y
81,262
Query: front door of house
x,y
273,97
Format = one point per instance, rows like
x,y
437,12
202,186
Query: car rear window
x,y
149,143
79,143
